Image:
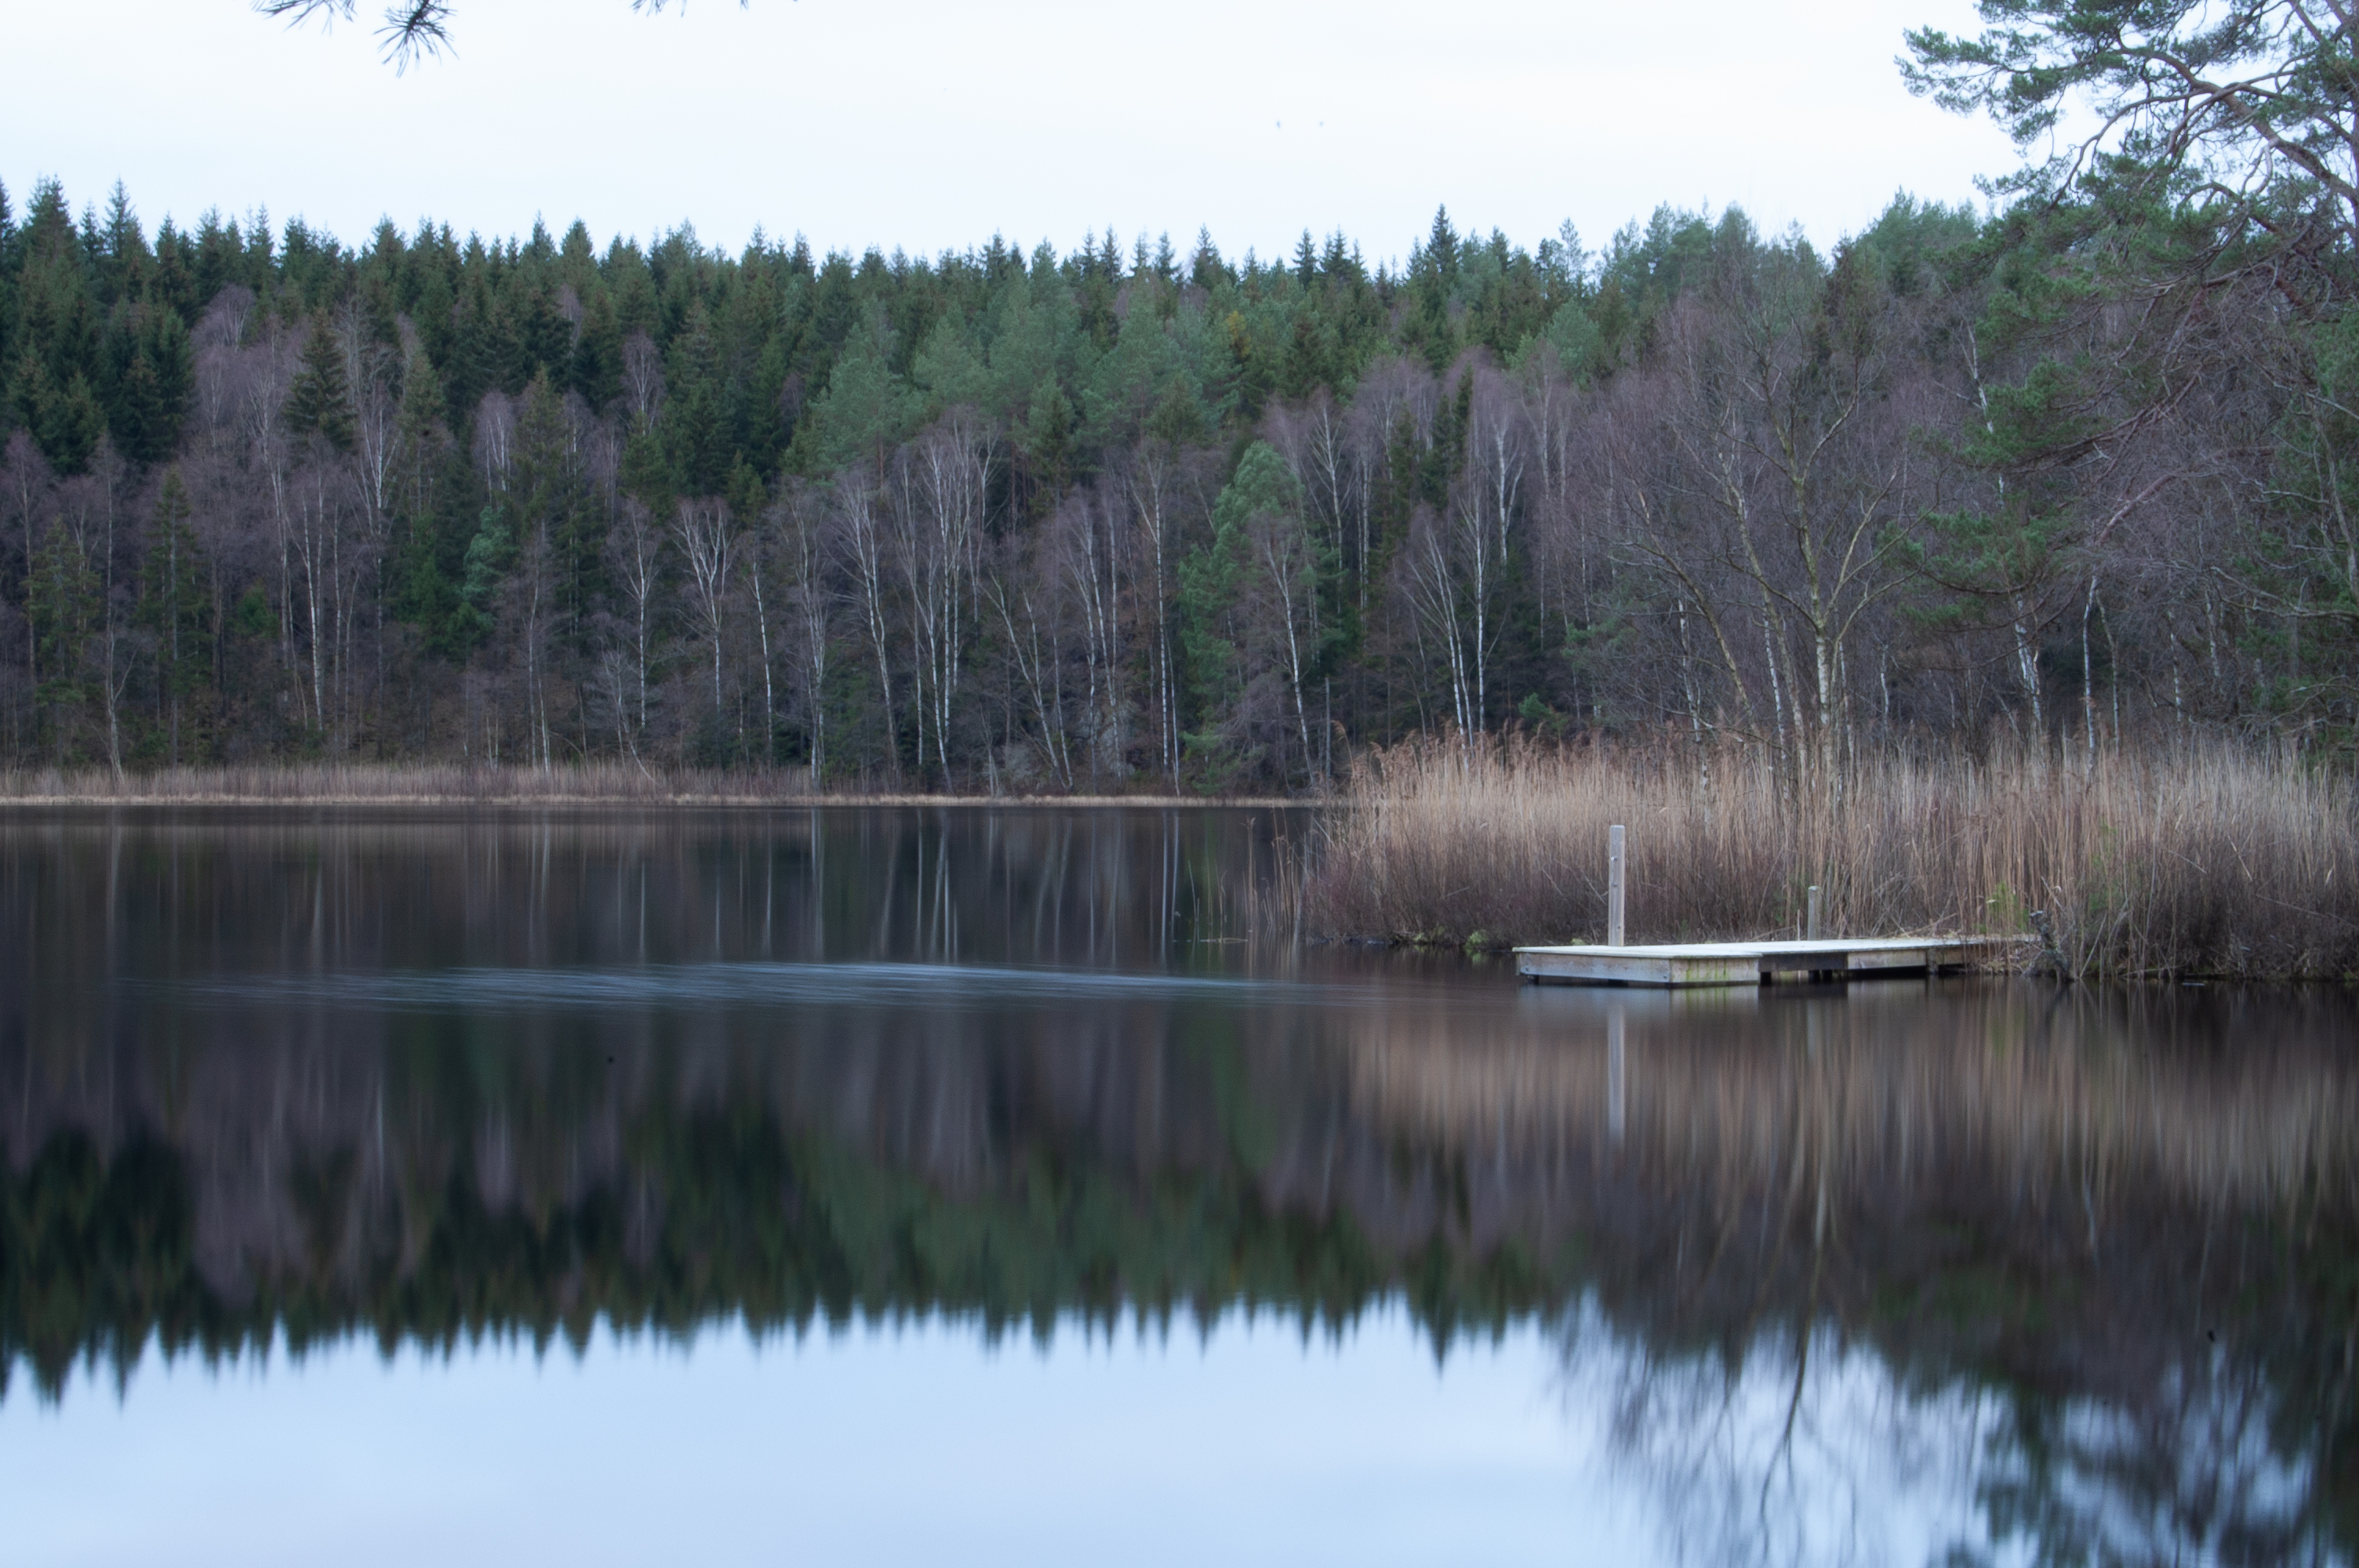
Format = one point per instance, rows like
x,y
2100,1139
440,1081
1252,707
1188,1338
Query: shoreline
x,y
730,801
431,786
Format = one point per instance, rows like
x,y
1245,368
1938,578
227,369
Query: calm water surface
x,y
902,1185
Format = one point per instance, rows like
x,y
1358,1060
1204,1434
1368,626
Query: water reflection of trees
x,y
2087,1257
2119,1272
453,1184
206,892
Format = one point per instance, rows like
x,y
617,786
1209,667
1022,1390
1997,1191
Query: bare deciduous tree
x,y
708,541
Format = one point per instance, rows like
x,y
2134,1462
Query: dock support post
x,y
1811,929
1614,928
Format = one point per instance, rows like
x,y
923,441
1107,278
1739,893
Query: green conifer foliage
x,y
150,373
7,305
175,609
549,507
489,553
319,402
594,366
63,603
66,420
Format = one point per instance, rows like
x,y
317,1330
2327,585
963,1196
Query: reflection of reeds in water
x,y
2195,859
1263,904
1835,1227
2012,1091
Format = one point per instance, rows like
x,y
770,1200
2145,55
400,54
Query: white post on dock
x,y
1810,930
1613,928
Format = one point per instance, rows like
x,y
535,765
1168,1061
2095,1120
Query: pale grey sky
x,y
928,123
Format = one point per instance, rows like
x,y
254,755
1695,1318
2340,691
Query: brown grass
x,y
2198,858
451,783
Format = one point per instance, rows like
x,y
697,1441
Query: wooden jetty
x,y
1616,963
1753,963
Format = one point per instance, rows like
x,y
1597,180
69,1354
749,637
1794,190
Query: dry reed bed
x,y
2201,859
455,784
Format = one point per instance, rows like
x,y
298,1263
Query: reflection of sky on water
x,y
917,1442
914,1443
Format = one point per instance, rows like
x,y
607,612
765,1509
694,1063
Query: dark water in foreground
x,y
970,1186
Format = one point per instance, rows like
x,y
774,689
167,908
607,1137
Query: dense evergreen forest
x,y
1144,515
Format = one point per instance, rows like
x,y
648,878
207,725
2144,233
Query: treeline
x,y
1156,517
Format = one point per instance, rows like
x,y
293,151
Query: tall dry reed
x,y
2194,858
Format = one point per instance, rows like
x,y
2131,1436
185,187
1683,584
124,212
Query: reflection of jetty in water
x,y
2105,1236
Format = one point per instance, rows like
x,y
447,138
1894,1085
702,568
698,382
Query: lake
x,y
917,1186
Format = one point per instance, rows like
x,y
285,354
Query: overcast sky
x,y
929,125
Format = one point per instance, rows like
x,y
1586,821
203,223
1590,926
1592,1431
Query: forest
x,y
1150,517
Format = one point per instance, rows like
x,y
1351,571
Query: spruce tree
x,y
66,421
175,610
135,412
172,285
469,368
318,404
148,371
61,600
7,305
595,366
544,337
120,254
164,343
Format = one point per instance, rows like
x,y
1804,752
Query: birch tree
x,y
707,537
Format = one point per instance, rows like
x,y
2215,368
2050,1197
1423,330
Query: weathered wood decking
x,y
1752,963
